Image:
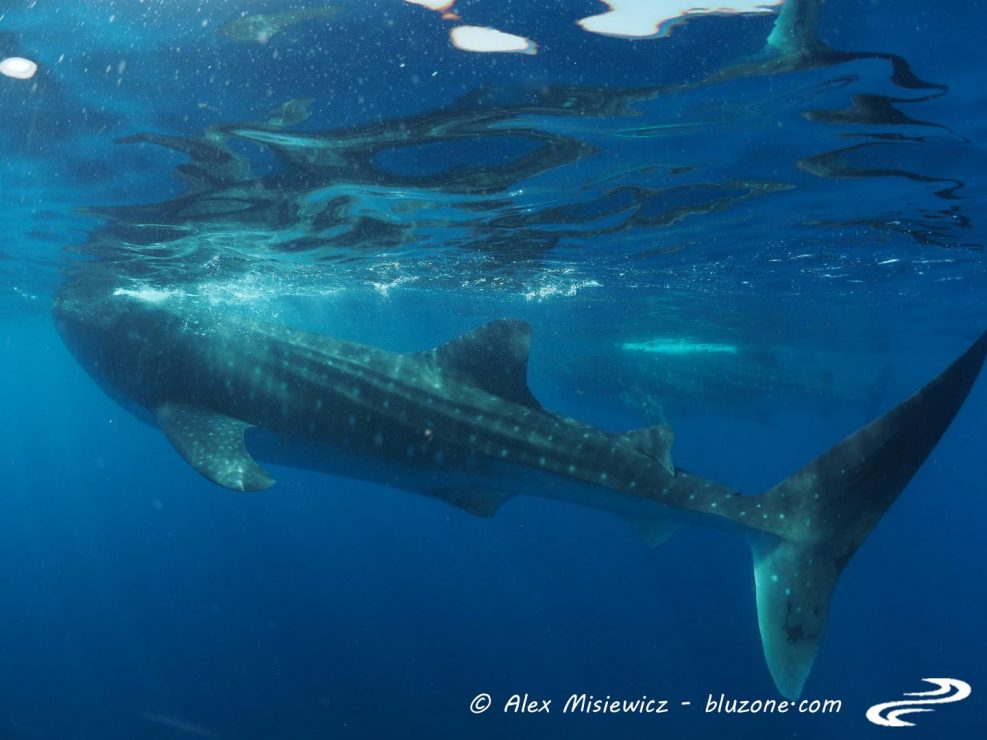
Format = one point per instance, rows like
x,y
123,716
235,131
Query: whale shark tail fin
x,y
819,516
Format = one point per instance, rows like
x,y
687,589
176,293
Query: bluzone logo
x,y
949,690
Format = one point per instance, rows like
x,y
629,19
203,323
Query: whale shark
x,y
261,28
460,423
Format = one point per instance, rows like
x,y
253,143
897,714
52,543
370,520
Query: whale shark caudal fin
x,y
820,515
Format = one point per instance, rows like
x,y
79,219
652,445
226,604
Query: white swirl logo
x,y
949,690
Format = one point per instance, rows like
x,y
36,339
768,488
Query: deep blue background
x,y
133,589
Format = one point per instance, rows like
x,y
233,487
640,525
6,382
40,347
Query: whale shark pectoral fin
x,y
475,500
655,442
213,445
493,357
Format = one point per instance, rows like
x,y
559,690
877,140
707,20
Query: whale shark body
x,y
459,423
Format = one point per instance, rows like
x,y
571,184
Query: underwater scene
x,y
492,369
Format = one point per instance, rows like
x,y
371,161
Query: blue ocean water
x,y
795,233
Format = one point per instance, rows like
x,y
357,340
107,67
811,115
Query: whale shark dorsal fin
x,y
493,357
654,441
213,445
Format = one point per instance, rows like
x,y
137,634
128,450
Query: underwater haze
x,y
760,224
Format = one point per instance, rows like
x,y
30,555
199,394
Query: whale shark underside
x,y
460,423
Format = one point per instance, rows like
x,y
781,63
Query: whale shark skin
x,y
459,423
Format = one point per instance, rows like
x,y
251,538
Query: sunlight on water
x,y
437,5
663,346
385,288
18,68
245,291
483,39
558,284
147,295
651,18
